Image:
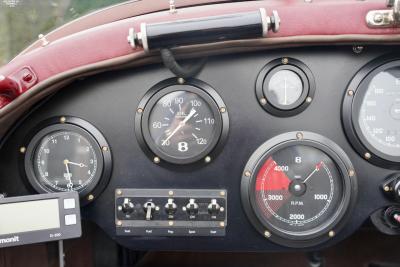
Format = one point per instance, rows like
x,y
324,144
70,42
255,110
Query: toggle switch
x,y
149,208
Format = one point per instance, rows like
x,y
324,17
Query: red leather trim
x,y
109,41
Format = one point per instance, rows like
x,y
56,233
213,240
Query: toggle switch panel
x,y
170,212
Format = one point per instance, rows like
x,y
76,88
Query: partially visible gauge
x,y
297,189
285,87
371,112
70,155
181,123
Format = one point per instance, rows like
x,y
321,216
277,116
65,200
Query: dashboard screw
x,y
170,193
386,188
308,99
263,101
222,193
367,155
247,173
358,49
63,119
170,223
139,110
156,160
299,136
222,224
267,234
222,109
350,92
22,150
181,80
331,233
285,60
352,173
207,159
104,148
90,197
119,223
119,192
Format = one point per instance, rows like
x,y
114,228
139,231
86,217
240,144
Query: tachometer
x,y
182,123
371,112
297,188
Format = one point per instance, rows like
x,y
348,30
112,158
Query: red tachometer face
x,y
297,189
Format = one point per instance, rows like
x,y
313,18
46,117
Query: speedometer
x,y
181,123
297,191
371,113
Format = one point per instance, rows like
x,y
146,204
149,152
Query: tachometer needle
x,y
314,171
181,124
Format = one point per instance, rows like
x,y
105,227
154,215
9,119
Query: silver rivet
x,y
156,160
247,173
222,109
170,193
350,92
331,233
358,49
139,110
170,223
222,224
351,173
63,119
367,155
181,80
222,193
221,209
386,188
104,148
157,208
285,60
22,150
263,101
308,99
299,136
119,192
207,159
378,18
267,234
119,223
90,197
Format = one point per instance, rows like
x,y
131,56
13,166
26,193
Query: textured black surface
x,y
109,102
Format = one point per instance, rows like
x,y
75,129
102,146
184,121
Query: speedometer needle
x,y
314,171
181,124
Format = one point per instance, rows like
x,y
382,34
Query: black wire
x,y
171,63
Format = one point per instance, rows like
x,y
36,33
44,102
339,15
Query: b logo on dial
x,y
181,123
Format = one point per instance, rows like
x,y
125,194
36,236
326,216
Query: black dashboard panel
x,y
109,102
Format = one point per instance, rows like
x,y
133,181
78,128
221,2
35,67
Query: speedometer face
x,y
379,115
298,188
181,123
65,161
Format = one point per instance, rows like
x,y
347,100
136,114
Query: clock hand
x,y
70,184
77,164
181,124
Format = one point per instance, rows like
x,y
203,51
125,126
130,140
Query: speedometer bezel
x,y
207,93
318,234
80,126
351,106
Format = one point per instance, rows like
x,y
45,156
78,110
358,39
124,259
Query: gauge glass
x,y
284,89
379,114
183,125
298,189
66,161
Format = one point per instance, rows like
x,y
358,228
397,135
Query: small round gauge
x,y
65,157
299,190
373,112
285,87
182,123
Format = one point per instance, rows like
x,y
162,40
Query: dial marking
x,y
170,109
194,135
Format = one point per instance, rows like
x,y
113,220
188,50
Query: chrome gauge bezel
x,y
207,93
304,74
81,127
352,102
324,231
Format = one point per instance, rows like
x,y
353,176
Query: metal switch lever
x,y
149,208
